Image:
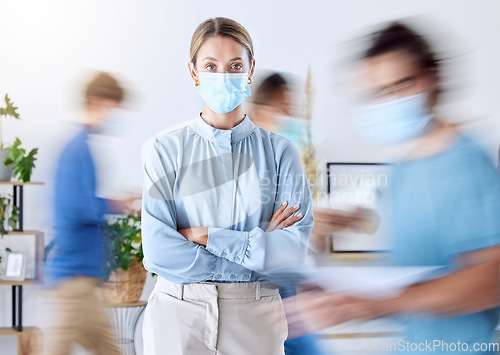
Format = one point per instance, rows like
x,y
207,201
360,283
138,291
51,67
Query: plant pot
x,y
125,286
5,170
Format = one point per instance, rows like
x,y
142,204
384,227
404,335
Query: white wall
x,y
46,44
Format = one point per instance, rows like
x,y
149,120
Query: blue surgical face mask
x,y
115,122
223,92
396,120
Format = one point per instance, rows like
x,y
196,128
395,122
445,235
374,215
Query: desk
x,y
355,337
354,258
124,318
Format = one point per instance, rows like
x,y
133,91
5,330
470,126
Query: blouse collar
x,y
232,135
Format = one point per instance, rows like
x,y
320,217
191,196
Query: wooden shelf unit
x,y
39,256
29,338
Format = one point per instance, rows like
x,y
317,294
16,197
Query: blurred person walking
x,y
446,195
272,109
75,313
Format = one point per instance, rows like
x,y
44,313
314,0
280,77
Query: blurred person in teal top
x,y
272,109
446,195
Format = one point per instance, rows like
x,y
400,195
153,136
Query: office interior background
x,y
48,46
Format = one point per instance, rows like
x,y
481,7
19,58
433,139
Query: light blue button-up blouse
x,y
230,181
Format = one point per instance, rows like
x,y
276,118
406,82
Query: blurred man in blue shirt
x,y
76,314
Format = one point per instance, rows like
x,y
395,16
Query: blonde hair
x,y
220,26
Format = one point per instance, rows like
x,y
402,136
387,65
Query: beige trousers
x,y
74,314
213,318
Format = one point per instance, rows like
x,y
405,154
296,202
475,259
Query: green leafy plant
x,y
124,242
7,250
23,163
9,110
13,219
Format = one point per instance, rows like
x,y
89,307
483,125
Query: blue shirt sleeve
x,y
76,188
166,251
262,251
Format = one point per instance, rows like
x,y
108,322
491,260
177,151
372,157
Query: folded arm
x,y
166,252
275,248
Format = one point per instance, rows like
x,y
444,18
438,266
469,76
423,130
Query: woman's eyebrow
x,y
210,58
237,58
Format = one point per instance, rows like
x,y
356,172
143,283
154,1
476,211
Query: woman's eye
x,y
236,66
210,67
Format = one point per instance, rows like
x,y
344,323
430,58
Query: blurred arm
x,y
473,289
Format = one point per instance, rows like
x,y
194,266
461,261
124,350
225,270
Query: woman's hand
x,y
281,218
329,220
122,206
315,310
198,235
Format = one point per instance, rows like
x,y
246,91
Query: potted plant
x,y
22,163
14,158
125,274
12,219
9,111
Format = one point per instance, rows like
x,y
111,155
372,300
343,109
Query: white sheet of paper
x,y
367,282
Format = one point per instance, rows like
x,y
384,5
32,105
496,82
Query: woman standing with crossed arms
x,y
224,202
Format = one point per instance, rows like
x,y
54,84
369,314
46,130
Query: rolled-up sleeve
x,y
166,252
262,251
